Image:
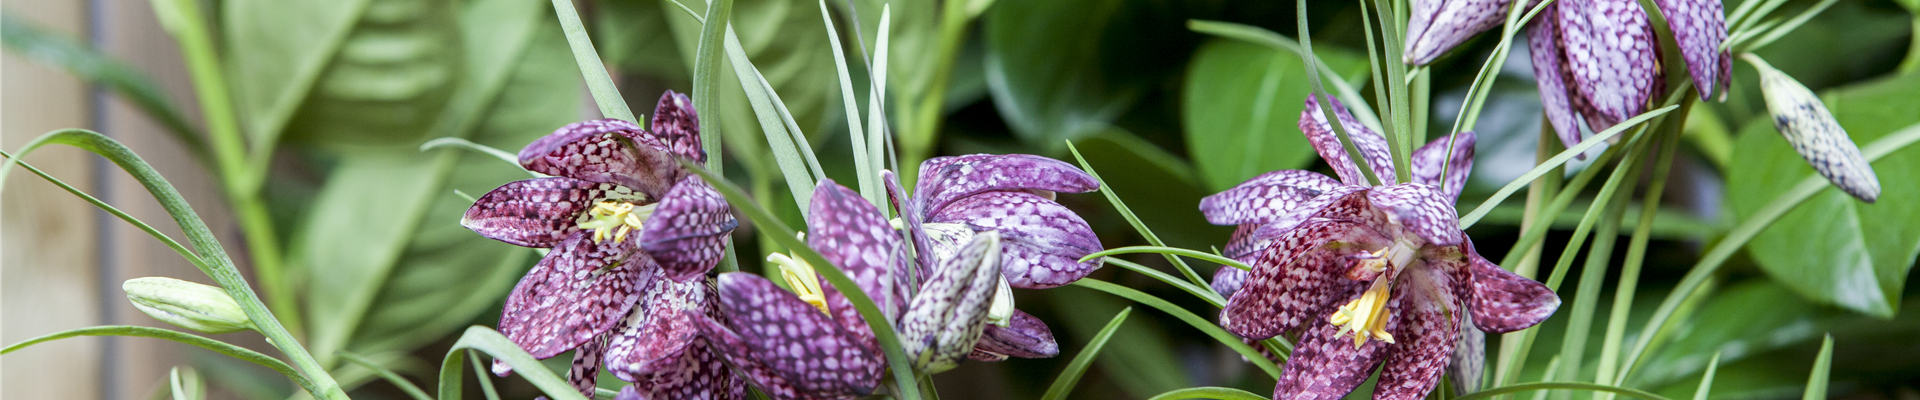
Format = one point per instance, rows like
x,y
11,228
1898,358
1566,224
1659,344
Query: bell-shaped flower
x,y
1368,275
1598,60
617,212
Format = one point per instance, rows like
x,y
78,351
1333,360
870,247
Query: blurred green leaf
x,y
1241,105
633,36
1064,383
276,51
1045,68
787,43
391,77
224,348
1834,249
494,344
66,53
1155,180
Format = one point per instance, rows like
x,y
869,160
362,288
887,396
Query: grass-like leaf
x,y
1746,231
1604,136
216,346
1065,382
455,142
1209,392
598,81
1636,257
1202,324
1787,27
706,77
1203,256
876,320
866,170
1822,367
486,382
1590,387
486,340
1202,292
1127,213
789,149
388,374
1706,378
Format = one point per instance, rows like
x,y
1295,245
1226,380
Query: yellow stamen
x,y
1366,317
801,278
615,217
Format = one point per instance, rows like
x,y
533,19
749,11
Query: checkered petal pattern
x,y
853,235
1294,280
1265,198
687,233
580,290
1024,336
1428,325
1326,141
786,346
1325,365
1043,240
1439,25
538,212
948,313
1699,27
1432,161
1503,301
944,180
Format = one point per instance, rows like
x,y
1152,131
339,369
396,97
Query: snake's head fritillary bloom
x,y
617,212
1598,61
1370,275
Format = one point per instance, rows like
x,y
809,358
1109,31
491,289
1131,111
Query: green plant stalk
x,y
1065,382
1208,392
1594,273
183,19
1912,62
1538,194
216,346
1219,334
1127,213
1525,387
1636,258
924,117
605,95
1399,138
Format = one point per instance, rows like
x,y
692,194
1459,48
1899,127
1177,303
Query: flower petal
x,y
1228,280
1326,141
1469,364
699,375
1025,336
909,211
603,150
584,374
655,339
1294,280
1551,73
676,128
1419,208
1341,203
944,180
1043,240
1699,27
947,315
855,236
1439,25
787,346
535,212
579,291
1326,365
1430,160
1425,327
1264,198
1504,301
688,230
1614,58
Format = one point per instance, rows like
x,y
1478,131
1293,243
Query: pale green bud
x,y
187,304
1807,125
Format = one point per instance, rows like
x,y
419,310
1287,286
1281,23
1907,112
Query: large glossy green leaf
x,y
1834,249
1241,107
276,51
1045,67
391,77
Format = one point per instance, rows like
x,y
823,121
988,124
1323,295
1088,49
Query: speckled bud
x,y
1811,129
187,304
950,311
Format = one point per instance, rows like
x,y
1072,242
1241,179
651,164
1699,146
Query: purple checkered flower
x,y
1367,275
618,213
811,343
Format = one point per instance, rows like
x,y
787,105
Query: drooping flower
x,y
618,214
958,197
1368,275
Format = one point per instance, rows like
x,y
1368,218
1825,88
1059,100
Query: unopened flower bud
x,y
187,304
1804,120
948,314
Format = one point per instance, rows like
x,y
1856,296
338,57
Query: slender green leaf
x,y
216,346
1706,379
277,52
867,172
598,81
1623,294
1132,219
452,142
1822,368
1603,137
190,387
1218,334
706,78
486,381
1590,387
1788,26
387,374
1202,292
1209,257
786,152
1065,382
488,341
1209,392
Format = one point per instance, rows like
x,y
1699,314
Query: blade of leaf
x,y
1133,219
1604,136
1064,383
800,179
1209,328
1208,257
389,375
1822,367
278,50
503,155
1706,378
1210,392
190,387
1203,293
485,340
1264,37
216,346
598,81
863,166
1591,387
706,78
486,382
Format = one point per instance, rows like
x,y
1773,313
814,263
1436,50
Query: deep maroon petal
x,y
1326,365
1439,25
853,235
603,150
1430,160
1228,280
1421,209
1326,141
948,312
1294,280
535,212
1264,198
656,337
1504,301
688,230
1342,203
1699,26
584,373
1551,73
909,211
1024,336
676,128
579,291
739,356
788,346
1425,327
701,375
1614,58
1043,240
944,180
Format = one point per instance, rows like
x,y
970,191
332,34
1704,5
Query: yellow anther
x,y
1366,316
616,217
800,276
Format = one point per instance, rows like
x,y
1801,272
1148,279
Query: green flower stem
x,y
1538,195
1636,258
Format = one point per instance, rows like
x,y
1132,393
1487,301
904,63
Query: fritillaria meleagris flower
x,y
626,226
1367,275
1594,59
811,343
1810,128
958,197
